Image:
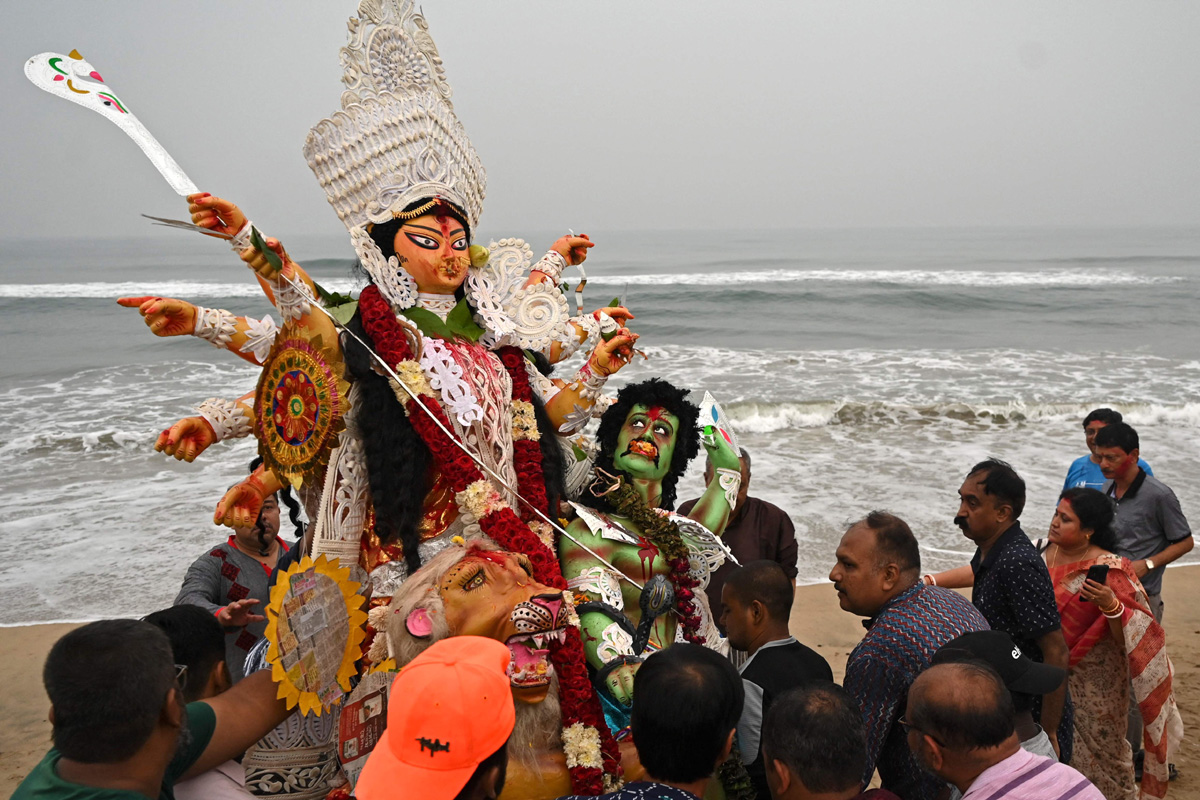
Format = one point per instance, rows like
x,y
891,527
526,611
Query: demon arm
x,y
716,505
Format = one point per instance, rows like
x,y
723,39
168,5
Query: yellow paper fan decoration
x,y
315,628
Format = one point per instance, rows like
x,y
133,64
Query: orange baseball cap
x,y
449,709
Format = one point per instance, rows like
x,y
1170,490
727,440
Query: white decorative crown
x,y
396,139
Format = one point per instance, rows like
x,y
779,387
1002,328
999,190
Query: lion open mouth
x,y
530,664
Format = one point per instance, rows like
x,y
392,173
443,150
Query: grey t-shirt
x,y
1148,519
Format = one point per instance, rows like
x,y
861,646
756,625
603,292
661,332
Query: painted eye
x,y
661,430
637,424
459,244
422,241
475,581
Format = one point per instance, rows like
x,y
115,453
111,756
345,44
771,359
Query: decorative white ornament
x,y
260,335
440,304
615,642
293,298
241,239
446,378
396,139
214,325
601,582
590,382
552,265
394,282
730,480
540,317
228,419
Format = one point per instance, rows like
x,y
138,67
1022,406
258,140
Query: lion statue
x,y
475,588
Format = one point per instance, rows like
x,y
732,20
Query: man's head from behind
x,y
959,719
755,599
1117,448
876,560
111,683
198,643
687,700
449,719
813,743
1095,420
1024,677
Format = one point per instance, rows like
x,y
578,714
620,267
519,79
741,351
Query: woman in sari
x,y
1112,636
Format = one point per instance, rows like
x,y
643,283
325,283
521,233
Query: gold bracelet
x,y
1116,612
1111,609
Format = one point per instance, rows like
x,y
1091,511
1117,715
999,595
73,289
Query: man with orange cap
x,y
448,726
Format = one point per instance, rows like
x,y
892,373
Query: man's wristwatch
x,y
1149,565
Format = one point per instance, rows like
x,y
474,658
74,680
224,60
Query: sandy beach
x,y
816,620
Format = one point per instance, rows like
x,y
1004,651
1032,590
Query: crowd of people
x,y
1052,681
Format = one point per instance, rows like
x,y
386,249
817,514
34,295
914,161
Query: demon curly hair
x,y
654,392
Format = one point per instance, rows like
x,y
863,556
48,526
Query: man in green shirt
x,y
121,730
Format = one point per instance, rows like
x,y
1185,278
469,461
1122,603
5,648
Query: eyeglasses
x,y
181,675
908,726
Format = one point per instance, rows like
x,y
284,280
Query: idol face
x,y
646,442
433,250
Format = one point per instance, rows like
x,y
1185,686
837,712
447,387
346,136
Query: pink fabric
x,y
1028,776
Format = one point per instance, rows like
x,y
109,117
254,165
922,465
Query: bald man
x,y
960,726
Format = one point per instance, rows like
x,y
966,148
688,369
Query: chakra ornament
x,y
315,629
299,406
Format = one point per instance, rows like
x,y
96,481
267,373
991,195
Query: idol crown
x,y
396,139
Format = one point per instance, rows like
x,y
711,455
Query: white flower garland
x,y
524,424
581,744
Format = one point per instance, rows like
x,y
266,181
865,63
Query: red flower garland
x,y
577,698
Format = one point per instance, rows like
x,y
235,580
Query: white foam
x,y
903,277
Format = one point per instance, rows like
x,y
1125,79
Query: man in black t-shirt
x,y
756,602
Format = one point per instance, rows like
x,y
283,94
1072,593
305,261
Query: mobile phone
x,y
1097,573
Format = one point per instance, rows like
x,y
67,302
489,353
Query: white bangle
x,y
227,418
1118,613
241,239
929,580
590,382
551,265
214,325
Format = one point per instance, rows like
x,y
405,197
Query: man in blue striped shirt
x,y
877,576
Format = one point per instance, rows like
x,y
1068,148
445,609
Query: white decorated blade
x,y
711,413
72,78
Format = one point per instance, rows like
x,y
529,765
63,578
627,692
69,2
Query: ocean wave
x,y
754,417
904,277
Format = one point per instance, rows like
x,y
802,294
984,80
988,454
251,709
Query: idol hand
x,y
621,314
620,683
609,356
215,214
720,453
240,506
186,439
165,316
573,248
238,614
260,264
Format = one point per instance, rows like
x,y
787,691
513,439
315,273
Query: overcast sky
x,y
610,114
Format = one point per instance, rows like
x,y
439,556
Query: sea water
x,y
863,369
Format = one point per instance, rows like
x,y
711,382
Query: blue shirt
x,y
1085,473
